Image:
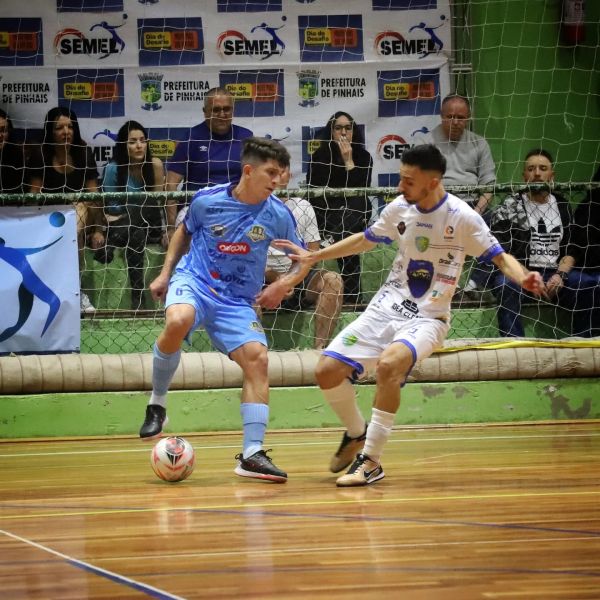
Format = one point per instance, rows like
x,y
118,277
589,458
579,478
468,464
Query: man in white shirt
x,y
410,315
321,288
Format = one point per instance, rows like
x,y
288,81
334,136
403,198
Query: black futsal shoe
x,y
156,419
346,453
259,466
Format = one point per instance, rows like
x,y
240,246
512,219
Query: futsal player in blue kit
x,y
409,317
212,275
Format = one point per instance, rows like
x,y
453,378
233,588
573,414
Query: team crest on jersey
x,y
449,232
422,243
401,227
257,233
420,275
256,326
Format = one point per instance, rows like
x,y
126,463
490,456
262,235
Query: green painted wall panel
x,y
297,408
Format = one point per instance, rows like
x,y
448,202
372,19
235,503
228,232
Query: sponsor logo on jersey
x,y
256,326
425,225
449,232
445,278
233,247
401,227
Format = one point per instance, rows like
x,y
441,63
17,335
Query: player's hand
x,y
553,285
534,283
158,288
271,296
295,252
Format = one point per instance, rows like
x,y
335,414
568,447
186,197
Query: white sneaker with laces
x,y
86,305
363,471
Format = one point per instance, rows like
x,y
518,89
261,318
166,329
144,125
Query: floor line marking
x,y
300,444
136,585
109,511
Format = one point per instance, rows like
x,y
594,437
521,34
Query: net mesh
x,y
529,70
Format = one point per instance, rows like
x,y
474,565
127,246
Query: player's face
x,y
415,184
63,131
455,118
136,145
538,169
3,132
342,129
284,177
264,179
219,113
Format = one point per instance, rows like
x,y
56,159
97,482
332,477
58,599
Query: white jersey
x,y
432,247
306,229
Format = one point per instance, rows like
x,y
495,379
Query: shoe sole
x,y
262,476
360,483
150,438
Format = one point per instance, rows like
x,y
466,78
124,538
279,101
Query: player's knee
x,y
391,369
329,373
178,324
256,359
332,282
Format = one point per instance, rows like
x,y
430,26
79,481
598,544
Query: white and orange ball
x,y
172,459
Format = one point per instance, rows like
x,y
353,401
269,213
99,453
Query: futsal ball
x,y
172,459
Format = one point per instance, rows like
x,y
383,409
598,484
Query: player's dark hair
x,y
260,150
540,152
427,157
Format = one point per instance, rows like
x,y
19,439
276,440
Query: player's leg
x,y
325,292
253,461
334,378
235,330
182,316
414,340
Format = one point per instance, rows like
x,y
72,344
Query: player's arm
x,y
529,280
353,244
179,245
171,185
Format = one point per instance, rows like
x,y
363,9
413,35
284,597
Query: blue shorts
x,y
229,324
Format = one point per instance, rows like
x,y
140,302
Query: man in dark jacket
x,y
535,227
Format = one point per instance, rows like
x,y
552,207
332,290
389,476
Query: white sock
x,y
378,432
342,400
158,399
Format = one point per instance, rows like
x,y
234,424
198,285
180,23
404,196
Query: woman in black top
x,y
12,162
65,164
341,161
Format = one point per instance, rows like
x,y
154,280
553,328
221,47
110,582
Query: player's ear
x,y
247,169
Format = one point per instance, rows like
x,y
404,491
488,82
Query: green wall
x,y
529,89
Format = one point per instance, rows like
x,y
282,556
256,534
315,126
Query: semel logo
x,y
265,44
233,247
391,147
70,41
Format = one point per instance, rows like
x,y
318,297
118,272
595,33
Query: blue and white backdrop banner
x,y
39,280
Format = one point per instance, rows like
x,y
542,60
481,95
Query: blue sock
x,y
163,369
254,418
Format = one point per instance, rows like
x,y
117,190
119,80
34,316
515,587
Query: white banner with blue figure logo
x,y
39,280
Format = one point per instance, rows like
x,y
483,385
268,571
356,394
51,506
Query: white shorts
x,y
361,343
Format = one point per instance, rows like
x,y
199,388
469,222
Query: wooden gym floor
x,y
496,512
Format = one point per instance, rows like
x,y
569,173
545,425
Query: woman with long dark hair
x,y
64,164
12,160
340,161
132,221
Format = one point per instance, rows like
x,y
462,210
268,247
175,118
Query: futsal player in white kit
x,y
409,317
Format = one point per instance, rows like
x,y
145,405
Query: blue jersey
x,y
208,158
230,240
